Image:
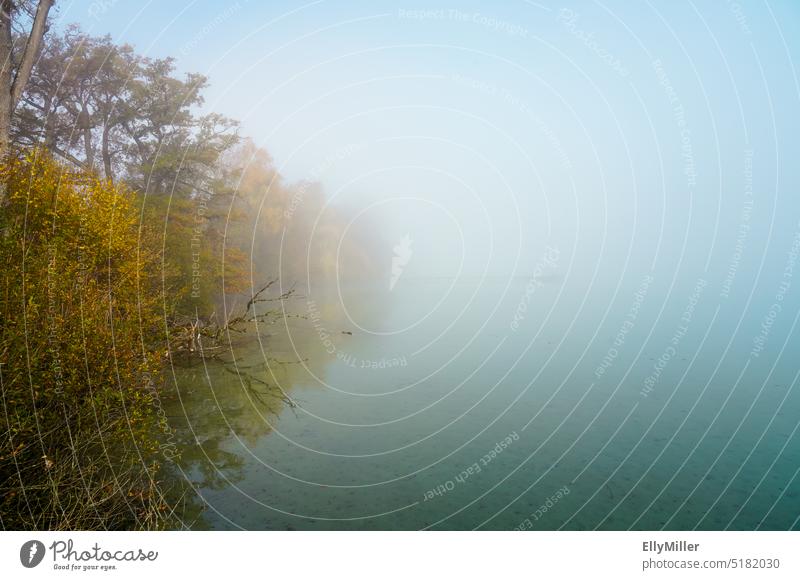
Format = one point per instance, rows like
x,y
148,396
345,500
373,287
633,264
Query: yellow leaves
x,y
80,299
89,288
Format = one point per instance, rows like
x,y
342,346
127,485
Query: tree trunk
x,y
49,138
106,153
85,124
6,78
12,83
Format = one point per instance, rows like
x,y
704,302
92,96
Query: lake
x,y
498,403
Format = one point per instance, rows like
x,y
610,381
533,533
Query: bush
x,y
80,331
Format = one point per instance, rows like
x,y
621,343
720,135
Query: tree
x,y
15,69
102,107
224,209
74,102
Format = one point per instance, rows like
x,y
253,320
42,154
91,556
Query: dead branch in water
x,y
270,391
188,334
199,340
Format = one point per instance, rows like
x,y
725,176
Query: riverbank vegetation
x,y
132,224
80,314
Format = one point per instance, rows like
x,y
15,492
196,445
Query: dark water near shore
x,y
498,404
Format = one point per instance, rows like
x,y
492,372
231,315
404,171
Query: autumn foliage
x,y
79,349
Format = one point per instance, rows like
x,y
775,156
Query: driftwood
x,y
195,340
203,338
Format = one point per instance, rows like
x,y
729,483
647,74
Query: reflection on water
x,y
495,404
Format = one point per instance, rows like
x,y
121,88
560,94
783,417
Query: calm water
x,y
497,404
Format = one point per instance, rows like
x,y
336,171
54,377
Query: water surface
x,y
497,403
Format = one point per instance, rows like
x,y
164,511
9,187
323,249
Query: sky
x,y
627,138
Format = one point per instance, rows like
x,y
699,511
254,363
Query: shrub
x,y
80,330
